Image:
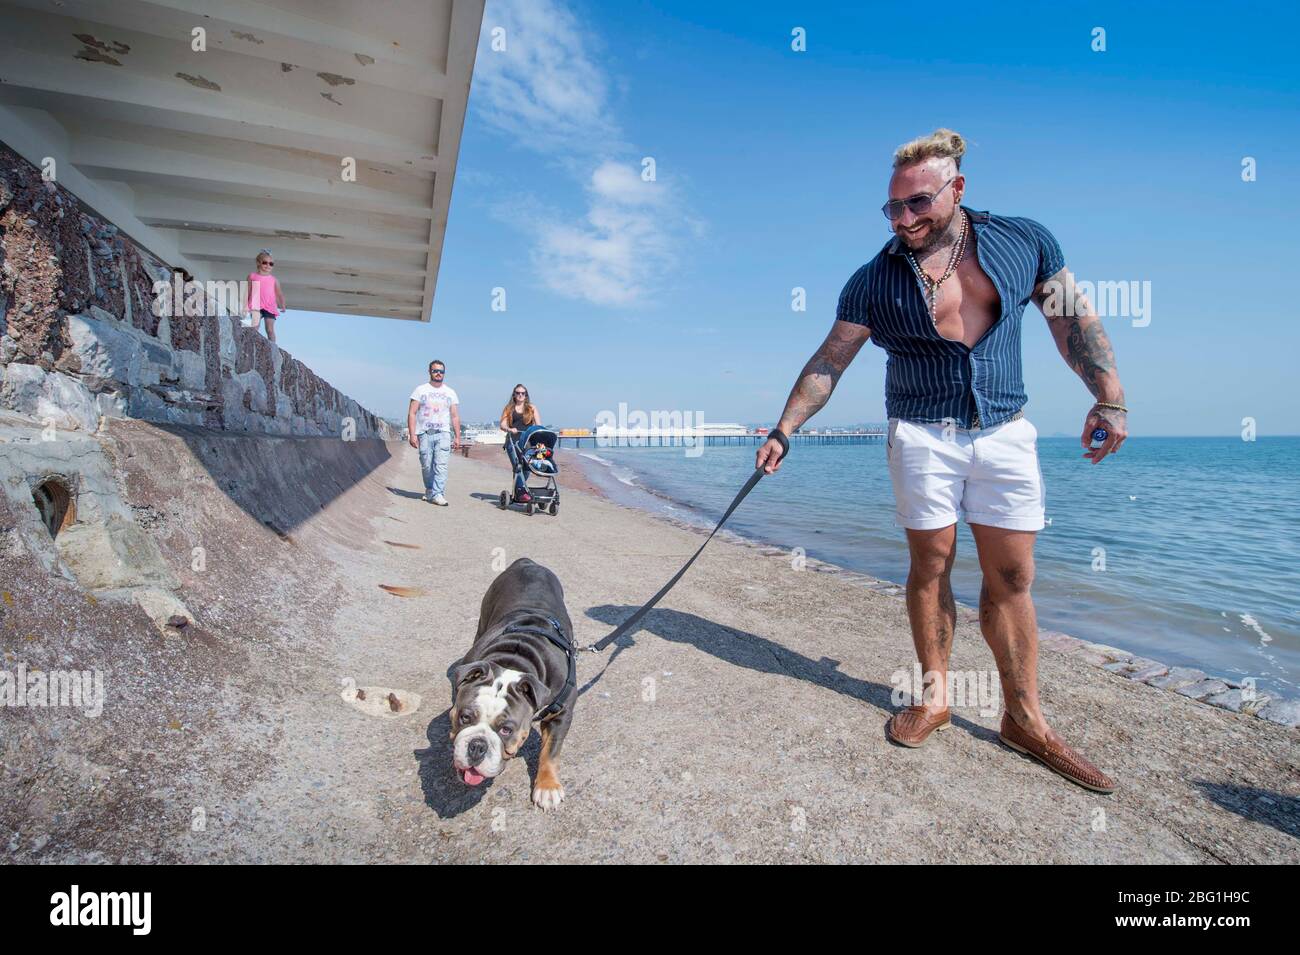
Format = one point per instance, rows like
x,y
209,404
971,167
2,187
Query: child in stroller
x,y
534,457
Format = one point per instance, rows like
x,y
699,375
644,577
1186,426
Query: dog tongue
x,y
472,777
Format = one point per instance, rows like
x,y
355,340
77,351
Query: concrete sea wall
x,y
81,339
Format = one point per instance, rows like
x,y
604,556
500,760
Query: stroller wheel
x,y
555,508
504,501
531,508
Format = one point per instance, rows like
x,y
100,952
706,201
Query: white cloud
x,y
543,87
620,249
547,93
620,183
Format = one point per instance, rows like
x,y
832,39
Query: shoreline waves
x,y
595,474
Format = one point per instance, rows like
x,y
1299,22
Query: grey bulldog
x,y
520,668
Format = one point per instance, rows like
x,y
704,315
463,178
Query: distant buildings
x,y
707,429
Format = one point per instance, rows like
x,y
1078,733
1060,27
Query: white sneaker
x,y
426,497
440,500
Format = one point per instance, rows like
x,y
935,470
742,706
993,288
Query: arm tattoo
x,y
1088,351
813,389
819,377
1079,334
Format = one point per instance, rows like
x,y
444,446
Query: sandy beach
x,y
744,722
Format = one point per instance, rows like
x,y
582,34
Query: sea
x,y
1183,550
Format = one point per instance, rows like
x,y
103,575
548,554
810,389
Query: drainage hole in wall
x,y
57,507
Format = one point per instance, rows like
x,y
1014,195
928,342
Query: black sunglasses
x,y
437,371
524,393
919,204
266,263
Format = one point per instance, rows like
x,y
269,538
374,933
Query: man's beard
x,y
936,237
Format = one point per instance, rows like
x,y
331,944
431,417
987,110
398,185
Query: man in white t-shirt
x,y
433,422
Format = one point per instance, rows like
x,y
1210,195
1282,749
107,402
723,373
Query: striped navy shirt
x,y
931,378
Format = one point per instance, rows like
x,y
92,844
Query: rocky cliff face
x,y
82,335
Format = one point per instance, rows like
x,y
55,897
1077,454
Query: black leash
x,y
629,625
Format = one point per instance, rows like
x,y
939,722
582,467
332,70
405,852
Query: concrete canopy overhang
x,y
207,146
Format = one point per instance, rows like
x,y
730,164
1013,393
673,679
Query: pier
x,y
650,439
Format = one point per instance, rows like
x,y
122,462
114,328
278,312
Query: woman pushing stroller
x,y
519,415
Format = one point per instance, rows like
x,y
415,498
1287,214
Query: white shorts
x,y
989,476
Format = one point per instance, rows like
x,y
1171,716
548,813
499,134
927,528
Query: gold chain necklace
x,y
954,260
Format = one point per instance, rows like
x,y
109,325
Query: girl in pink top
x,y
265,300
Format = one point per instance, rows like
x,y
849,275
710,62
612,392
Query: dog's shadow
x,y
752,652
446,794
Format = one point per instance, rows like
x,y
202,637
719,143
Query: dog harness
x,y
556,706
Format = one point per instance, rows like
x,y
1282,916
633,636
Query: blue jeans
x,y
435,452
516,461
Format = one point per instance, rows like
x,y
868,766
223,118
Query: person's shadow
x,y
402,492
1275,809
752,652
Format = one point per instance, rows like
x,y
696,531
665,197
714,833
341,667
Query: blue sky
x,y
771,165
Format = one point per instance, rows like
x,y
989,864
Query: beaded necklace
x,y
954,260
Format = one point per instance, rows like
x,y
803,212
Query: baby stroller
x,y
535,457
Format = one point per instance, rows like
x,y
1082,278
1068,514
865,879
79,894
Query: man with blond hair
x,y
944,299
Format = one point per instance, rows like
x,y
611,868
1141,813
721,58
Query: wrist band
x,y
1110,404
785,442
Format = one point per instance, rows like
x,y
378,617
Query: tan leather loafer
x,y
913,725
1055,756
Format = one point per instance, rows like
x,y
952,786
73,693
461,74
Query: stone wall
x,y
79,337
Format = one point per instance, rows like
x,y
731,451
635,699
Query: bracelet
x,y
1110,404
782,440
